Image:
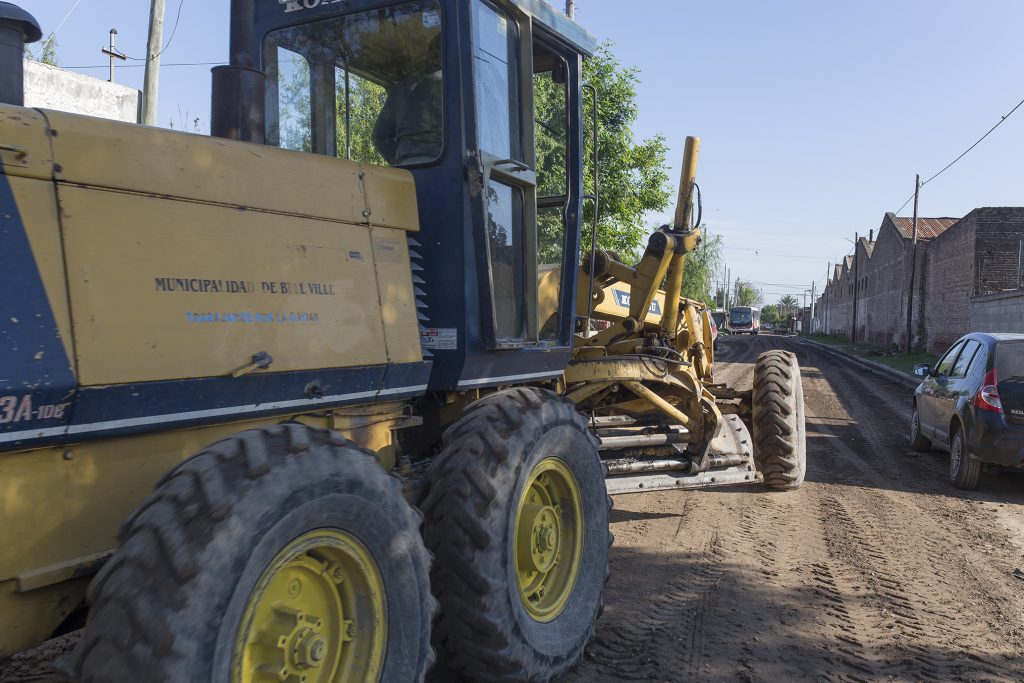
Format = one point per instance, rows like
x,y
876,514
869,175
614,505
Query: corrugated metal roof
x,y
927,228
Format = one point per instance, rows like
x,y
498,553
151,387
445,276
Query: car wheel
x,y
918,441
964,470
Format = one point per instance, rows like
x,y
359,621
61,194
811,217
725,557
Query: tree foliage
x,y
770,314
633,174
788,306
747,295
701,267
47,52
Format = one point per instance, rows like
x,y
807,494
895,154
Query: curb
x,y
871,366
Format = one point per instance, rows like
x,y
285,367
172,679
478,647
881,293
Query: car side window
x,y
966,357
946,364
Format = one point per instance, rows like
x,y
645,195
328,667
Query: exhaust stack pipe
x,y
17,28
238,89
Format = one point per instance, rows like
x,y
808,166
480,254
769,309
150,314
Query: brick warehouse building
x,y
955,261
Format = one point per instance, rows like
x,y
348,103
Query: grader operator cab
x,y
318,399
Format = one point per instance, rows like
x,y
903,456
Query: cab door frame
x,y
514,168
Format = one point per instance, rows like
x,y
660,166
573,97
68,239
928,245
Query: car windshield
x,y
740,317
1010,361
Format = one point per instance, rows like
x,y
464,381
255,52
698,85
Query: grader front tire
x,y
278,554
517,519
780,436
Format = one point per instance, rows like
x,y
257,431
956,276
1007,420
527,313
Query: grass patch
x,y
904,362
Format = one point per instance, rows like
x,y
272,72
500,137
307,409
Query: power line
x,y
137,66
758,252
62,21
168,44
976,143
774,284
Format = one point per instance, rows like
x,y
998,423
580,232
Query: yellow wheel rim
x,y
548,539
316,615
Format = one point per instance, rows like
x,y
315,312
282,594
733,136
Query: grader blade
x,y
646,461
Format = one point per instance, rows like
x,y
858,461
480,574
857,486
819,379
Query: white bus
x,y
744,320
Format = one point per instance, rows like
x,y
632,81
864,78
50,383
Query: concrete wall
x,y
48,87
1002,312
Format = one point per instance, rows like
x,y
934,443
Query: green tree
x,y
770,314
47,52
633,174
788,306
701,266
747,294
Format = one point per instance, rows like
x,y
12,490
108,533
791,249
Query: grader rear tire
x,y
283,553
517,519
780,437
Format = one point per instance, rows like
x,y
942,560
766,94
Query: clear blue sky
x,y
814,116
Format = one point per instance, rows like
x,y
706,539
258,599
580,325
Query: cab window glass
x,y
495,60
292,127
946,364
963,363
551,147
366,86
504,234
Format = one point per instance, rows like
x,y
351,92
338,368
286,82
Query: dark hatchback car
x,y
972,404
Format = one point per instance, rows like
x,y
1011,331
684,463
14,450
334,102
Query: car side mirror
x,y
922,370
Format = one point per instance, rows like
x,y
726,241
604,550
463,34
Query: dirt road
x,y
875,570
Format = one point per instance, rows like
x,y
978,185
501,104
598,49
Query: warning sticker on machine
x,y
440,338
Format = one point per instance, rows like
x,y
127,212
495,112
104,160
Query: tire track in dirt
x,y
630,648
874,570
913,566
861,575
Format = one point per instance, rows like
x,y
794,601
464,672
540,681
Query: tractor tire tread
x,y
780,450
490,647
160,552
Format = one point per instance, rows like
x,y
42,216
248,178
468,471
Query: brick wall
x,y
1002,312
838,303
999,231
976,256
883,300
949,283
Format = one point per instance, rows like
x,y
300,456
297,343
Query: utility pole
x,y
913,268
153,50
811,323
826,327
725,288
803,331
1020,260
570,9
856,286
113,53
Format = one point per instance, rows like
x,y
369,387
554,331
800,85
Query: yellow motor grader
x,y
297,402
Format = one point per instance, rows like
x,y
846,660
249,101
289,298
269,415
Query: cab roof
x,y
554,21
